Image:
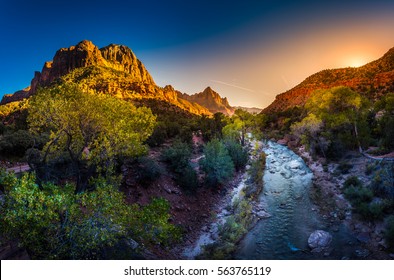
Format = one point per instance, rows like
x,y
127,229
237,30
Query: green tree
x,y
238,154
177,156
386,120
211,127
52,222
342,110
246,122
216,163
309,131
93,129
243,122
178,159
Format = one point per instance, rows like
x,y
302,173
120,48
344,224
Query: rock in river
x,y
319,239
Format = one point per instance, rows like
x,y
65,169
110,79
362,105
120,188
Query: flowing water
x,y
287,182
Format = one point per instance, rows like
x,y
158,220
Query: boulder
x,y
262,214
319,239
362,253
294,164
132,244
364,237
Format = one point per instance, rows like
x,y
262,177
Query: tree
x,y
341,109
238,154
52,222
211,127
92,129
177,156
243,122
246,121
178,159
216,163
309,131
386,120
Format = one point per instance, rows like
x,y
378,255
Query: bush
x,y
178,159
216,164
16,143
370,168
238,154
344,167
158,136
352,181
389,233
148,170
187,179
370,211
358,195
177,156
256,170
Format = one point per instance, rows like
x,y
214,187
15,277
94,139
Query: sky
x,y
248,50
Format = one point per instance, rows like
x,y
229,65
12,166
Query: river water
x,y
287,183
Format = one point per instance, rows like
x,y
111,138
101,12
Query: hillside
x,y
372,80
210,99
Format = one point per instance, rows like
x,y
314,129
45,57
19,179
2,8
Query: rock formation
x,y
86,54
212,100
17,96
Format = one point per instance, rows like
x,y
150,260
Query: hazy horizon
x,y
247,52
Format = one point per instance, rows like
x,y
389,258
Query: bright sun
x,y
356,62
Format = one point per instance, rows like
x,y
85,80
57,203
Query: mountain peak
x,y
211,100
208,89
85,44
85,54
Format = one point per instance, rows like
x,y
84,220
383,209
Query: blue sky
x,y
248,51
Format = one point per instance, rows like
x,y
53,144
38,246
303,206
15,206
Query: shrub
x,y
369,169
178,159
389,233
370,211
16,143
148,170
344,167
158,136
358,195
352,181
238,154
177,156
216,164
232,230
256,170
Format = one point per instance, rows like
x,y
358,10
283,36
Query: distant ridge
x,y
252,110
372,79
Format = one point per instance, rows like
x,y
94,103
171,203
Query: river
x,y
287,183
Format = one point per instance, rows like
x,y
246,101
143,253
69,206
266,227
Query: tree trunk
x,y
360,149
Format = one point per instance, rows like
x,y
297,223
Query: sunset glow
x,y
266,47
357,61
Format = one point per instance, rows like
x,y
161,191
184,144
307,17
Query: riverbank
x,y
236,214
335,209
